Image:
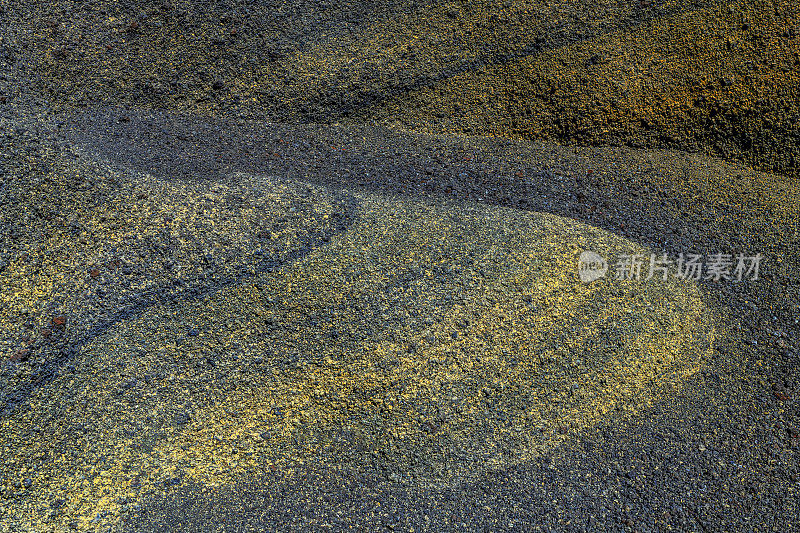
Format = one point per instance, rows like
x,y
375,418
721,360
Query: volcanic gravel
x,y
187,281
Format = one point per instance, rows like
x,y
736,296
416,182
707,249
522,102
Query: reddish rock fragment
x,y
20,355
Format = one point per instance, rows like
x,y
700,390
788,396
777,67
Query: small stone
x,y
57,504
182,418
59,321
20,355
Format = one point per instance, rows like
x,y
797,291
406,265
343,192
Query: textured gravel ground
x,y
211,321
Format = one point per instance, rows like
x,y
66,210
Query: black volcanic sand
x,y
239,294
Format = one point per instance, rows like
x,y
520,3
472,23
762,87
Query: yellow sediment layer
x,y
723,78
456,329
